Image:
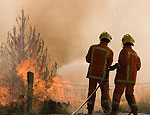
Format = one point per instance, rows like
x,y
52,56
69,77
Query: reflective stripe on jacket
x,y
128,65
100,58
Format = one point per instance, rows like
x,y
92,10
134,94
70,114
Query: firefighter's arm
x,y
88,56
110,58
138,64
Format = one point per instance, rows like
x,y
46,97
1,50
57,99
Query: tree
x,y
24,43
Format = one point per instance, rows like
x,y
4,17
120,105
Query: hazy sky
x,y
69,27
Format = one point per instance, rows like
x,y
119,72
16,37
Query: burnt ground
x,y
100,113
96,114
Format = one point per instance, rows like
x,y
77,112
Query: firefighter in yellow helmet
x,y
128,39
128,65
100,57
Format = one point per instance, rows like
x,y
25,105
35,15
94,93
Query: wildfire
x,y
4,96
25,51
23,68
59,89
56,90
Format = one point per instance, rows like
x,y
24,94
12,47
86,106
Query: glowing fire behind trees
x,y
24,51
43,89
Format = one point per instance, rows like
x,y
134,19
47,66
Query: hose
x,y
106,76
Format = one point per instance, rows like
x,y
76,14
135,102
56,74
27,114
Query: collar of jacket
x,y
127,46
102,43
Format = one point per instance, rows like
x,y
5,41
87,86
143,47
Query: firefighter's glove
x,y
112,68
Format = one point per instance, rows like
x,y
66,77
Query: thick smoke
x,y
60,23
69,27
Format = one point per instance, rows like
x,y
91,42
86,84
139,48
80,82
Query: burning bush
x,y
24,51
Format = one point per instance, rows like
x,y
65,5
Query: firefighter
x,y
128,65
100,57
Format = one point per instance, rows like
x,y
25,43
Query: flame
x,y
56,90
23,68
4,96
39,85
4,93
60,89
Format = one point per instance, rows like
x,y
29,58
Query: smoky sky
x,y
59,23
69,27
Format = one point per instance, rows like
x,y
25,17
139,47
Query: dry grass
x,y
143,106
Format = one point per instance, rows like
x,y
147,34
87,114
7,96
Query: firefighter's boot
x,y
134,110
135,113
106,112
113,113
89,112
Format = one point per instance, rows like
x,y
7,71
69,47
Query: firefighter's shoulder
x,y
110,50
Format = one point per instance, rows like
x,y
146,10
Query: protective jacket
x,y
128,65
100,58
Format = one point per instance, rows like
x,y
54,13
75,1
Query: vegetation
x,y
50,106
46,107
24,46
143,106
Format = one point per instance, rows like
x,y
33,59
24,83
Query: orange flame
x,y
39,85
4,96
55,90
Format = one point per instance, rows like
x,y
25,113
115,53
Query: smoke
x,y
60,23
69,27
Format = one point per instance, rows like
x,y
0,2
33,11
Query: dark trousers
x,y
129,90
105,98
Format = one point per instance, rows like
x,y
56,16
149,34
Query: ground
x,y
100,113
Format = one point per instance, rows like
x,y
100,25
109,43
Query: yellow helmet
x,y
105,35
127,39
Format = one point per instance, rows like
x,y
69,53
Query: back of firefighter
x,y
128,65
100,58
